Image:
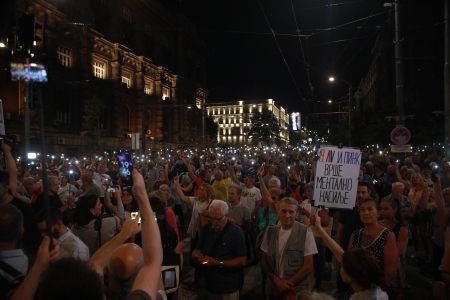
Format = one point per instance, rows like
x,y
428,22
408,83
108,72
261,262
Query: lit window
x,y
126,14
127,81
64,56
165,93
148,87
99,70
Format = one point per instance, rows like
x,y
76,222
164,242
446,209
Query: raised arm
x,y
112,208
101,257
149,275
233,175
29,285
180,192
334,247
11,167
265,192
399,177
191,172
440,206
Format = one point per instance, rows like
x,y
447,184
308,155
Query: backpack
x,y
7,289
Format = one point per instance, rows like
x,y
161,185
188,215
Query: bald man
x,y
123,266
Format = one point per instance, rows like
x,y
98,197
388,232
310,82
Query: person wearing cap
x,y
87,185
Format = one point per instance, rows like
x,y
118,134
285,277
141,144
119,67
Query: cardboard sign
x,y
336,177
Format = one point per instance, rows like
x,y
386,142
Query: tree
x,y
265,128
94,132
188,137
211,129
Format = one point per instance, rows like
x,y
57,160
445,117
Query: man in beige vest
x,y
288,254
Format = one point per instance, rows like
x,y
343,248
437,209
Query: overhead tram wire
x,y
311,87
281,52
284,59
342,52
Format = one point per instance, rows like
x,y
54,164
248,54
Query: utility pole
x,y
400,118
26,118
350,108
447,72
203,123
144,128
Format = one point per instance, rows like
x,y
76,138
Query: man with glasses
x,y
220,252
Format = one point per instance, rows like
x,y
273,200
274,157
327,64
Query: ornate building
x,y
234,120
146,66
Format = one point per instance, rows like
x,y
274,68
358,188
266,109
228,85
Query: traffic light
x,y
28,36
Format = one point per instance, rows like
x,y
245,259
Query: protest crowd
x,y
240,207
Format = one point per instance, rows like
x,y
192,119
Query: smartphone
x,y
134,215
111,189
125,168
107,181
154,215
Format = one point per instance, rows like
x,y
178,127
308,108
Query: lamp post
x,y
350,107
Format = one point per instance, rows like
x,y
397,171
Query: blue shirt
x,y
222,280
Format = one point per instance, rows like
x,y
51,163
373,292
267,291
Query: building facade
x,y
145,66
234,120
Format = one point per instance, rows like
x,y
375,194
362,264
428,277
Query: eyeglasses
x,y
126,195
216,219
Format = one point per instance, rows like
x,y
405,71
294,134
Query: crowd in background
x,y
399,199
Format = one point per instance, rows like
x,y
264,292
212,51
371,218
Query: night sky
x,y
247,62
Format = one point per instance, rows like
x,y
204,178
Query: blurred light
x,y
331,79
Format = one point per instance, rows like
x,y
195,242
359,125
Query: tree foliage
x,y
211,129
265,128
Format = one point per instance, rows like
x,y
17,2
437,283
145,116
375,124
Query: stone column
x,y
175,115
158,110
116,73
140,83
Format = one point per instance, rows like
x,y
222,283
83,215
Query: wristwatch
x,y
221,264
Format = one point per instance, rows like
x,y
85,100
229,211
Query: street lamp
x,y
350,106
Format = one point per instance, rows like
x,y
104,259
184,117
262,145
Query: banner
x,y
336,177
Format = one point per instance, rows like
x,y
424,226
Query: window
x,y
126,14
165,93
127,81
148,87
148,29
64,56
99,70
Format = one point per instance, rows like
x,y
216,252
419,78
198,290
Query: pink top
x,y
172,220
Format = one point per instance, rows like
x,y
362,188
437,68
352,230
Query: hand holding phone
x,y
125,168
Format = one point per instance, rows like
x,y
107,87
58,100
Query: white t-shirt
x,y
250,196
310,247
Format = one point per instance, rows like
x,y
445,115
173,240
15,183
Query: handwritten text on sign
x,y
336,178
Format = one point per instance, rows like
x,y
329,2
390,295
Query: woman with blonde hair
x,y
419,195
200,207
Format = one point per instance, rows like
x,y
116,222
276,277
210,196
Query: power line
x,y
281,52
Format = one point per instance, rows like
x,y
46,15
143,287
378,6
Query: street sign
x,y
401,148
135,141
400,135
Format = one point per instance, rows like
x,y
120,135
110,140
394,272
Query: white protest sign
x,y
336,178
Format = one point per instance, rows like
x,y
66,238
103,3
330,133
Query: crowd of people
x,y
240,208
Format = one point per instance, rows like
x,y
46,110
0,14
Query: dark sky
x,y
247,62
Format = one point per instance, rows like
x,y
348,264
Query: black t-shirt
x,y
31,235
54,201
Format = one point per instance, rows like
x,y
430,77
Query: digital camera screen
x,y
32,72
